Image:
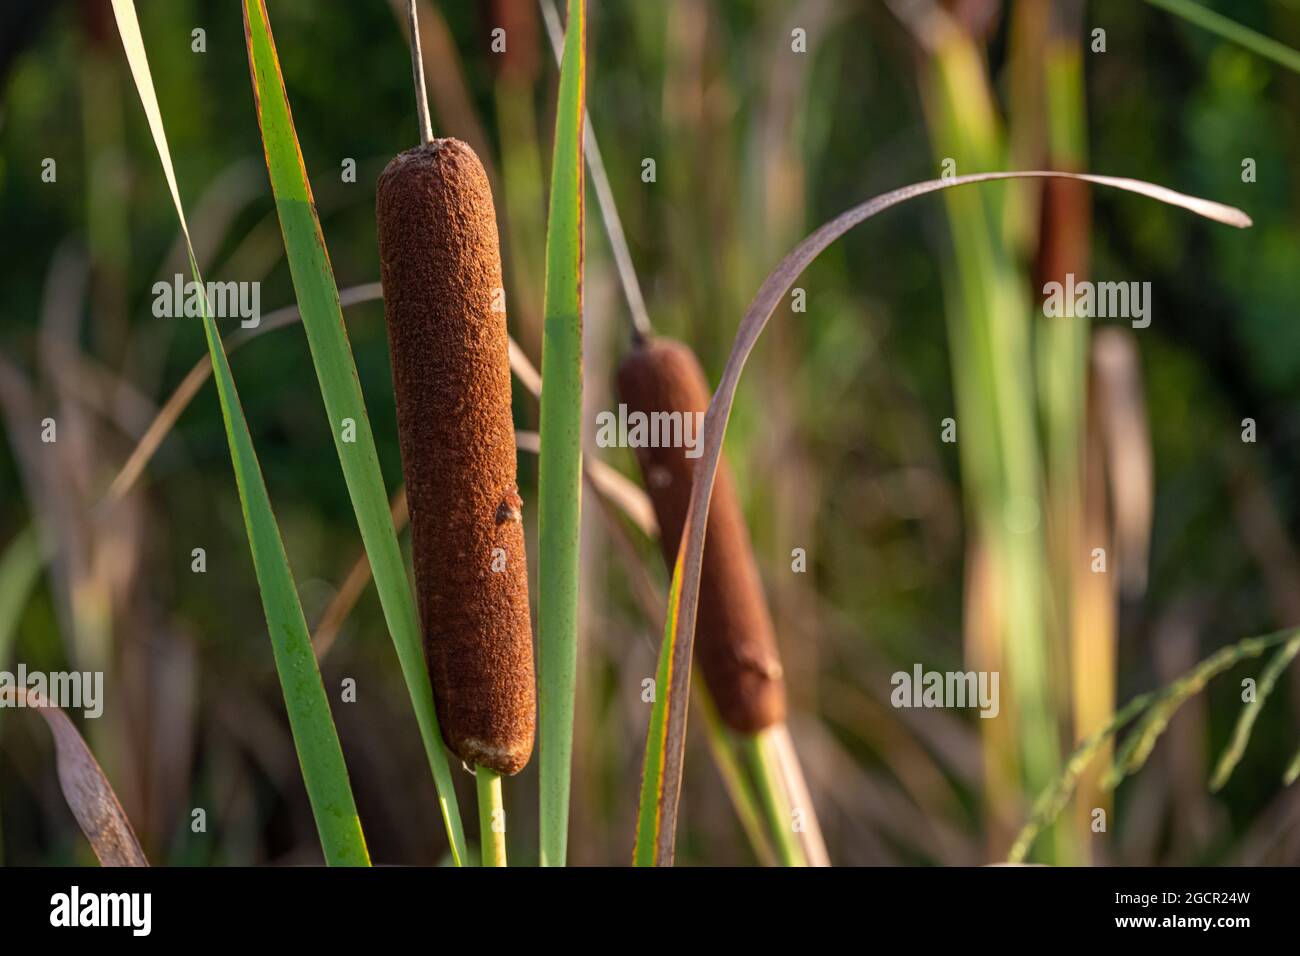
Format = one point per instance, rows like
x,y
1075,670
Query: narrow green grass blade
x,y
1246,721
1056,797
19,569
315,738
1220,25
331,352
649,818
559,483
1292,770
1138,747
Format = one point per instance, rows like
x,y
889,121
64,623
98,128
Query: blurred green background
x,y
835,440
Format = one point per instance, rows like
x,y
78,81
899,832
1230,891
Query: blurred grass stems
x,y
523,181
1093,614
1117,506
189,386
1236,748
1221,26
1083,610
20,567
665,739
765,766
560,461
999,444
727,759
322,319
609,216
315,738
491,816
1155,707
802,817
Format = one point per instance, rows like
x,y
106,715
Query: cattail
x,y
440,263
1064,233
735,644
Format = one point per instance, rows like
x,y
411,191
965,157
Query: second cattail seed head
x,y
735,643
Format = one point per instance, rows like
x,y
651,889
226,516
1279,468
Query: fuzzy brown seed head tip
x,y
662,369
735,642
445,150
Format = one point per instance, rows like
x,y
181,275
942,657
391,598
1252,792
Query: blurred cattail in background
x,y
736,645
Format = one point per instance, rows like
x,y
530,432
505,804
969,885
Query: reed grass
x,y
1156,708
1236,748
738,656
1292,772
727,757
1220,25
20,566
1082,614
559,483
336,371
1000,452
315,738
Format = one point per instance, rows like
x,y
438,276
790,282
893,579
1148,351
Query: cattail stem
x,y
491,816
417,73
766,768
809,831
723,746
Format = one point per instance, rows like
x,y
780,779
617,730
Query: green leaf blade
x,y
1236,749
560,461
1221,26
649,819
316,742
322,318
315,738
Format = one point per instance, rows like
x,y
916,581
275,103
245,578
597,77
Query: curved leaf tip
x,y
679,636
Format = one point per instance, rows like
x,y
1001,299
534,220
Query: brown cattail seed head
x,y
440,263
734,640
1064,232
